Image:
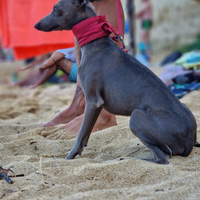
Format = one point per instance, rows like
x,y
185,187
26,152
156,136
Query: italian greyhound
x,y
114,80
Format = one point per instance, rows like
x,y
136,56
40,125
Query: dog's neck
x,y
91,29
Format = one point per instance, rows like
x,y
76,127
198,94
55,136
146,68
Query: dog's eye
x,y
55,8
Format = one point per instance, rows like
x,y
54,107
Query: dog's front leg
x,y
90,116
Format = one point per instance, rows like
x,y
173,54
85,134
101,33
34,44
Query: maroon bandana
x,y
94,28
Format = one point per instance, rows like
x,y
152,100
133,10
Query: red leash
x,y
119,17
119,13
95,28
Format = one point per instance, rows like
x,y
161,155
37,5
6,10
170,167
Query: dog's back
x,y
116,81
129,88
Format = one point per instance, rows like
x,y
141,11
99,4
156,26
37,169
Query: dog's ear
x,y
83,3
94,0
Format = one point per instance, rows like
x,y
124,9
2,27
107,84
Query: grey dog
x,y
116,81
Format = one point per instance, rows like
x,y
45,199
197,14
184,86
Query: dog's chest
x,y
90,77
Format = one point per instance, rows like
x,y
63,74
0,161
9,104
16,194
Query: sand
x,y
109,168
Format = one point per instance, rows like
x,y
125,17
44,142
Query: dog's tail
x,y
196,144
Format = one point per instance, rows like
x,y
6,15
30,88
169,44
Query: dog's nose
x,y
37,26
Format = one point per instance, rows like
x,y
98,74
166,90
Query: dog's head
x,y
66,14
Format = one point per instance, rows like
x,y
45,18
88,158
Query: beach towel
x,y
171,58
181,90
190,60
172,71
17,20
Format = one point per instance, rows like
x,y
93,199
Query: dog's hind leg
x,y
90,116
141,126
158,155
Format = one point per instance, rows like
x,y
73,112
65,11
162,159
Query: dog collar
x,y
94,28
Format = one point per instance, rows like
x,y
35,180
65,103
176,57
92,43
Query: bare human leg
x,y
38,60
105,120
78,103
38,77
74,114
46,70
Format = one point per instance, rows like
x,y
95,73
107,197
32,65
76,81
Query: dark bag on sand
x,y
172,57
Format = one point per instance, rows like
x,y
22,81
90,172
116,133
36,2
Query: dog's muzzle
x,y
37,26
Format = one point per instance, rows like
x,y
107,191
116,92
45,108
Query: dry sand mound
x,y
109,167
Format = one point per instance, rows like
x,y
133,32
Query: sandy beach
x,y
109,168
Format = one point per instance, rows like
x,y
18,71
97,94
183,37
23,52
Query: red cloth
x,y
92,29
95,28
17,20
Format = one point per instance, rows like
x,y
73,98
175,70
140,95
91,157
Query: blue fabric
x,y
126,26
190,57
73,74
182,90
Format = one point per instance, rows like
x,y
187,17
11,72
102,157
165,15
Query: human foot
x,y
75,109
57,133
72,128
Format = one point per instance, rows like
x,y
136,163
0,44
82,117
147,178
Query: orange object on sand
x,y
17,20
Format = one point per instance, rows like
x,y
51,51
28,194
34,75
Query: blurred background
x,y
166,38
175,23
175,27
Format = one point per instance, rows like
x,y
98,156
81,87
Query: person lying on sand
x,y
49,68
